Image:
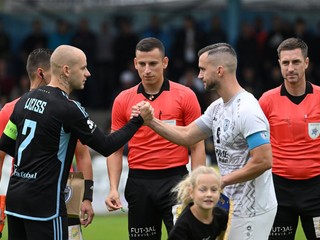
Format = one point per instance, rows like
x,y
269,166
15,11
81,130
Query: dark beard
x,y
210,87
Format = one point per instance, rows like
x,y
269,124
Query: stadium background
x,y
251,26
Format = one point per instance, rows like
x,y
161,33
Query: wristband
x,y
88,190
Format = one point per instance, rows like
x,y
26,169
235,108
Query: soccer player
x,y
38,69
41,135
240,133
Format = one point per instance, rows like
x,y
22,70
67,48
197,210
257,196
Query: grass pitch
x,y
114,227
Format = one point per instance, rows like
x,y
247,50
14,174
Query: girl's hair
x,y
184,187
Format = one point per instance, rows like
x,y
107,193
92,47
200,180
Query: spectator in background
x,y
85,39
5,43
128,78
3,101
155,28
275,78
316,51
276,35
251,81
216,32
61,35
260,34
247,47
124,44
7,80
22,87
191,80
187,41
300,30
37,38
104,59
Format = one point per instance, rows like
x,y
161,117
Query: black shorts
x,y
296,198
55,229
73,221
150,201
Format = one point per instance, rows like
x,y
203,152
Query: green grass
x,y
114,227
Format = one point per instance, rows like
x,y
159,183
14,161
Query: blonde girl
x,y
200,219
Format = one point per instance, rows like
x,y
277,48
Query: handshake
x,y
145,110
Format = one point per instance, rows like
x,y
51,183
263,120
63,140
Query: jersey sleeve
x,y
4,118
192,109
253,119
263,102
118,116
2,122
205,122
90,134
8,138
7,145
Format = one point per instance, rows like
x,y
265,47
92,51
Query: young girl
x,y
200,219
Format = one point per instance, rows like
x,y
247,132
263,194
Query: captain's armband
x,y
11,130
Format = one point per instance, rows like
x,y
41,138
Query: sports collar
x,y
296,99
165,87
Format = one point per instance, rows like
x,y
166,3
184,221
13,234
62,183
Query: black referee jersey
x,y
45,125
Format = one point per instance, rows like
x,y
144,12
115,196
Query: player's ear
x,y
135,62
165,62
40,73
66,70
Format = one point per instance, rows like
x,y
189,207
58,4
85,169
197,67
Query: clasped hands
x,y
145,110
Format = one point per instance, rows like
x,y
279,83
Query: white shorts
x,y
75,232
252,228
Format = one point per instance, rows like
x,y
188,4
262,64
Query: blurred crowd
x,y
110,52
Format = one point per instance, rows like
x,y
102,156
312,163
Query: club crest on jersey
x,y
314,130
226,124
67,193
